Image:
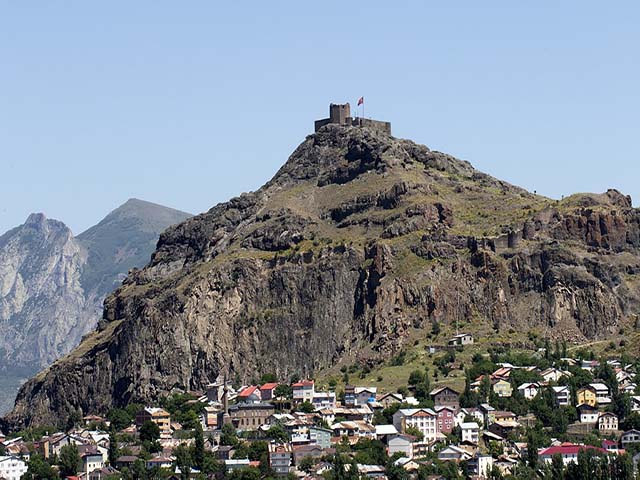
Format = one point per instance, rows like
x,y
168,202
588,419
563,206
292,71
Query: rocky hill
x,y
358,240
52,284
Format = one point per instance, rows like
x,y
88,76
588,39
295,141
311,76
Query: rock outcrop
x,y
358,239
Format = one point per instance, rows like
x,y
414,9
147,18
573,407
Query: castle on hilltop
x,y
340,114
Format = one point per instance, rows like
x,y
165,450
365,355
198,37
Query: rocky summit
x,y
357,241
52,284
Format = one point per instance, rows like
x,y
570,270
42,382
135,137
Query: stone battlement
x,y
340,114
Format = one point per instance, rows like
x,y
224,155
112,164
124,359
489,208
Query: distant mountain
x,y
52,284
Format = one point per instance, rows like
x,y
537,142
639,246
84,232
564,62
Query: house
x,y
249,394
630,437
250,416
12,468
470,431
303,391
475,413
610,446
488,413
446,418
446,397
503,427
103,473
159,416
607,422
371,471
280,458
210,417
91,460
529,390
453,453
236,464
568,452
423,419
562,395
355,413
125,461
401,443
460,339
365,395
267,391
588,414
389,399
481,465
603,397
383,431
502,388
320,436
552,374
303,451
324,400
587,396
160,462
357,428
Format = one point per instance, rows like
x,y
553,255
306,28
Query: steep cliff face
x,y
52,285
358,239
42,307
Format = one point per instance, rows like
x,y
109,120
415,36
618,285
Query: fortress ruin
x,y
340,114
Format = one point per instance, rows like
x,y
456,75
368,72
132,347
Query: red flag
x,y
360,101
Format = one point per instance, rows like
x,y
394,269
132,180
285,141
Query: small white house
x,y
401,443
588,414
562,395
470,431
12,468
529,390
461,339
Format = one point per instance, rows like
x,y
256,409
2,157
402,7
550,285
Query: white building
x,y
529,390
400,443
470,432
423,419
12,468
588,414
303,391
324,400
602,393
562,394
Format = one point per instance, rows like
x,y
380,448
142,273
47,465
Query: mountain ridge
x,y
359,239
48,300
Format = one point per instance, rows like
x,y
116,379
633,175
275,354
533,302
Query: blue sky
x,y
189,103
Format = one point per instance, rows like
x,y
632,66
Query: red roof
x,y
570,449
247,391
268,386
303,383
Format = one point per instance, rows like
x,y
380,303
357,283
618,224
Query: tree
x,y
139,470
149,431
183,460
198,447
278,433
283,390
306,407
306,464
414,431
113,449
228,435
39,469
416,377
69,460
119,419
557,467
268,378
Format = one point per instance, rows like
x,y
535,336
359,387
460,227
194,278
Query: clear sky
x,y
189,103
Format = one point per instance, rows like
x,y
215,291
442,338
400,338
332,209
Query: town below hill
x,y
522,414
